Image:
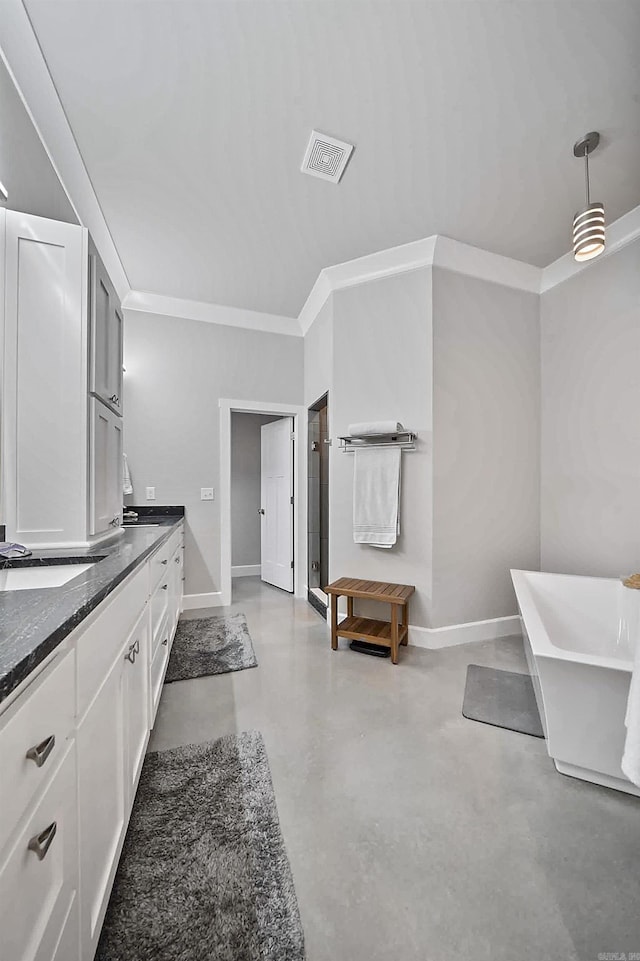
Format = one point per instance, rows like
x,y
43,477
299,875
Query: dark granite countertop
x,y
34,622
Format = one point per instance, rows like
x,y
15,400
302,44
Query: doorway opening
x,y
285,503
318,445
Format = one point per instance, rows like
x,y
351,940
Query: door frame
x,y
299,413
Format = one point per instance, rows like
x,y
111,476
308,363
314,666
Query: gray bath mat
x,y
204,874
501,698
210,645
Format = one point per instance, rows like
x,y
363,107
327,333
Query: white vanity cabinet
x,y
105,335
50,360
105,468
72,745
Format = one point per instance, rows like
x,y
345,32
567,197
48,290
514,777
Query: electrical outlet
x,y
150,493
206,493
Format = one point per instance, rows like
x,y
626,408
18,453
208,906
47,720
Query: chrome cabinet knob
x,y
166,641
261,510
41,752
165,587
165,561
40,843
131,654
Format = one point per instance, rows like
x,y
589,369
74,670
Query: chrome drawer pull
x,y
40,843
165,561
165,587
166,641
177,560
41,751
131,654
137,646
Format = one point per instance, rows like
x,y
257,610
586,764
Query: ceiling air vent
x,y
326,157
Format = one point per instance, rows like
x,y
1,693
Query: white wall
x,y
590,327
25,169
382,370
245,487
176,372
486,445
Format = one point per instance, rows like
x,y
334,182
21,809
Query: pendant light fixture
x,y
588,223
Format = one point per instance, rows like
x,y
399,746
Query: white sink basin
x,y
29,578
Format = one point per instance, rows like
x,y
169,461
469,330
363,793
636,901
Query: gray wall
x,y
486,445
176,372
245,487
590,329
318,355
381,371
25,169
456,359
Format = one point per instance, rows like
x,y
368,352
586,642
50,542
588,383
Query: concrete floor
x,y
413,833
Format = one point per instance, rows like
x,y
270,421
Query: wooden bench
x,y
387,633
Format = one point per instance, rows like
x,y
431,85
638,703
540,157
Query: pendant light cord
x,y
586,175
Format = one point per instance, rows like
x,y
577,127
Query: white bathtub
x,y
580,674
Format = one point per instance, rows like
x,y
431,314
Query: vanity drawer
x,y
159,562
39,877
97,645
159,665
34,734
159,611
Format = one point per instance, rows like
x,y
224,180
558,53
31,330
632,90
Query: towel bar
x,y
404,439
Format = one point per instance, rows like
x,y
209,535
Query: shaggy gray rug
x,y
502,698
210,645
204,874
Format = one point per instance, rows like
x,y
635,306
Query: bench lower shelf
x,y
369,629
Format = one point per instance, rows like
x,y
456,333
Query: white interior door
x,y
276,500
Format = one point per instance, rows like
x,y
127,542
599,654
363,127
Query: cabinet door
x,y
136,698
106,337
102,801
45,377
116,336
105,508
175,601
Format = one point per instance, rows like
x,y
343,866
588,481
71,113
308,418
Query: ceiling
x,y
192,119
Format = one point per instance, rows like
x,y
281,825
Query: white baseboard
x,y
439,637
246,570
192,602
436,638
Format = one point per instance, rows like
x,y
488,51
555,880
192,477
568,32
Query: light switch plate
x,y
206,493
150,493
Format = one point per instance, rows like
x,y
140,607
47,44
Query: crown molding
x,y
434,251
362,270
621,232
23,57
143,302
482,264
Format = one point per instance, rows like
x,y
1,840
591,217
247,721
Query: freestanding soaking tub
x,y
574,630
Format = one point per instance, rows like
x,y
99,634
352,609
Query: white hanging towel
x,y
127,486
376,427
376,496
631,755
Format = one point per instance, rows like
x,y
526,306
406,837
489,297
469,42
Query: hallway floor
x,y
413,833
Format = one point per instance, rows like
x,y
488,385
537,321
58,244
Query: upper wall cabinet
x,y
105,336
49,471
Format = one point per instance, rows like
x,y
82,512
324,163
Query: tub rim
x,y
541,643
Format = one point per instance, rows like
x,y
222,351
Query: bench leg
x,y
405,623
334,622
394,633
